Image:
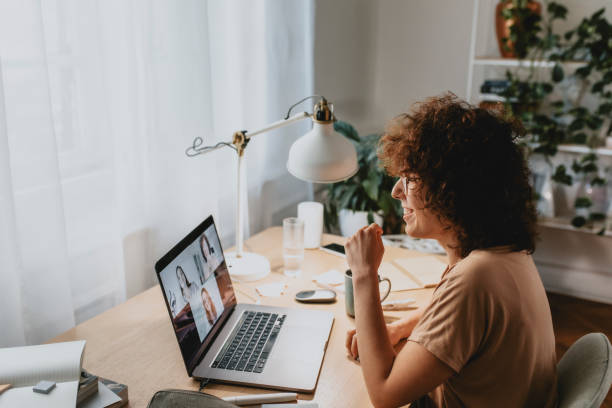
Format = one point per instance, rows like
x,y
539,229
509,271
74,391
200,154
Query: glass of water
x,y
293,246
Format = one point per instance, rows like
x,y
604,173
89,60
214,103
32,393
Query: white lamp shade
x,y
322,156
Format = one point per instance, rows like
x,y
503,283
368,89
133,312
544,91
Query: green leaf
x,y
347,130
371,189
557,104
580,138
344,201
576,124
598,86
557,10
604,108
557,73
598,14
561,175
594,122
583,72
583,202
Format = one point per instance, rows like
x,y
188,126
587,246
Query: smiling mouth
x,y
408,212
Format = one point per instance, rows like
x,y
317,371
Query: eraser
x,y
44,387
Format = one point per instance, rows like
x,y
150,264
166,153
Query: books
x,y
24,367
88,386
102,385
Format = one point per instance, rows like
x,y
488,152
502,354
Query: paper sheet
x,y
399,280
332,279
425,270
271,289
26,366
103,398
63,395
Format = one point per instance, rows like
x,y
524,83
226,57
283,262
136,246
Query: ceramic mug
x,y
349,299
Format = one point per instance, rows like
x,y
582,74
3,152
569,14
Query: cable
x,y
203,383
195,148
300,101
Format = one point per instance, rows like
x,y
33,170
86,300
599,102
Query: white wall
x,y
373,59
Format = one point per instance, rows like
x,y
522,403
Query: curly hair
x,y
474,176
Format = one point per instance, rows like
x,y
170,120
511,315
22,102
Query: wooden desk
x,y
133,343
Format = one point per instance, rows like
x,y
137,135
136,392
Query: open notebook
x,y
413,273
24,367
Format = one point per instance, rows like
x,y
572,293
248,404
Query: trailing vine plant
x,y
529,97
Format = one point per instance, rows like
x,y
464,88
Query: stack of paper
x,y
24,367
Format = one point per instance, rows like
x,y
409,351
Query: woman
x,y
185,285
209,307
486,337
210,260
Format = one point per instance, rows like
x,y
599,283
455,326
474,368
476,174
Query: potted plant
x,y
551,122
365,197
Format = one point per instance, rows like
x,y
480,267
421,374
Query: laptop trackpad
x,y
299,344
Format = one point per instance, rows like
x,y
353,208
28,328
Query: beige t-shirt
x,y
489,320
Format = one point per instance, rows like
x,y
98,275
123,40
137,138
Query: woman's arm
x,y
396,331
391,380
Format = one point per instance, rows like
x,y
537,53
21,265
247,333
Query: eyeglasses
x,y
409,182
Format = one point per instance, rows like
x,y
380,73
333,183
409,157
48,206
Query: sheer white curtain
x,y
98,102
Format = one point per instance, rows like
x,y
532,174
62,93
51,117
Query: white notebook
x,y
24,367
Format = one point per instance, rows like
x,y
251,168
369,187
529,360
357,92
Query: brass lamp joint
x,y
240,141
323,112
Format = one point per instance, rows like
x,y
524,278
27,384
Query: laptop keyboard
x,y
249,345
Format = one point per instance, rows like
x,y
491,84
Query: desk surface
x,y
133,343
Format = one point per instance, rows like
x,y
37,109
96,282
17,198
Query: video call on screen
x,y
198,288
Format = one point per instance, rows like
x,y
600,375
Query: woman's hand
x,y
396,331
364,252
393,331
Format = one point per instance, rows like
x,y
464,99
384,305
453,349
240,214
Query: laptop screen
x,y
198,290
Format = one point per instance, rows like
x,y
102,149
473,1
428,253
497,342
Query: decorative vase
x,y
351,221
502,26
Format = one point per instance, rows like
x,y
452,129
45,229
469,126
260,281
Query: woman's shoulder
x,y
483,265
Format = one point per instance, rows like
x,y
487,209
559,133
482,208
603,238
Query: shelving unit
x,y
484,51
564,223
484,61
580,149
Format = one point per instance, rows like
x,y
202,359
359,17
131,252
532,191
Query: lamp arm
x,y
279,124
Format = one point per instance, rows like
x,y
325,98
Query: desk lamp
x,y
320,156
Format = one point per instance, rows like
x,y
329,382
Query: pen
x,y
262,398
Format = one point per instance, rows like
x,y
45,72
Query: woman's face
x,y
206,301
420,221
205,249
181,277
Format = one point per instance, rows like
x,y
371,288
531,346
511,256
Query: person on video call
x,y
186,286
209,307
486,337
209,258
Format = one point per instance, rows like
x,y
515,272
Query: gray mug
x,y
349,299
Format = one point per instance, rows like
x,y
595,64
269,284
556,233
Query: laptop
x,y
226,341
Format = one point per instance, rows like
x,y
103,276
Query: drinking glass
x,y
293,246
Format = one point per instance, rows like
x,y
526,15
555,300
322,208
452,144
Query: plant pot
x,y
351,221
502,26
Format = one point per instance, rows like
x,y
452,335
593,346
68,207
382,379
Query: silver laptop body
x,y
298,337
